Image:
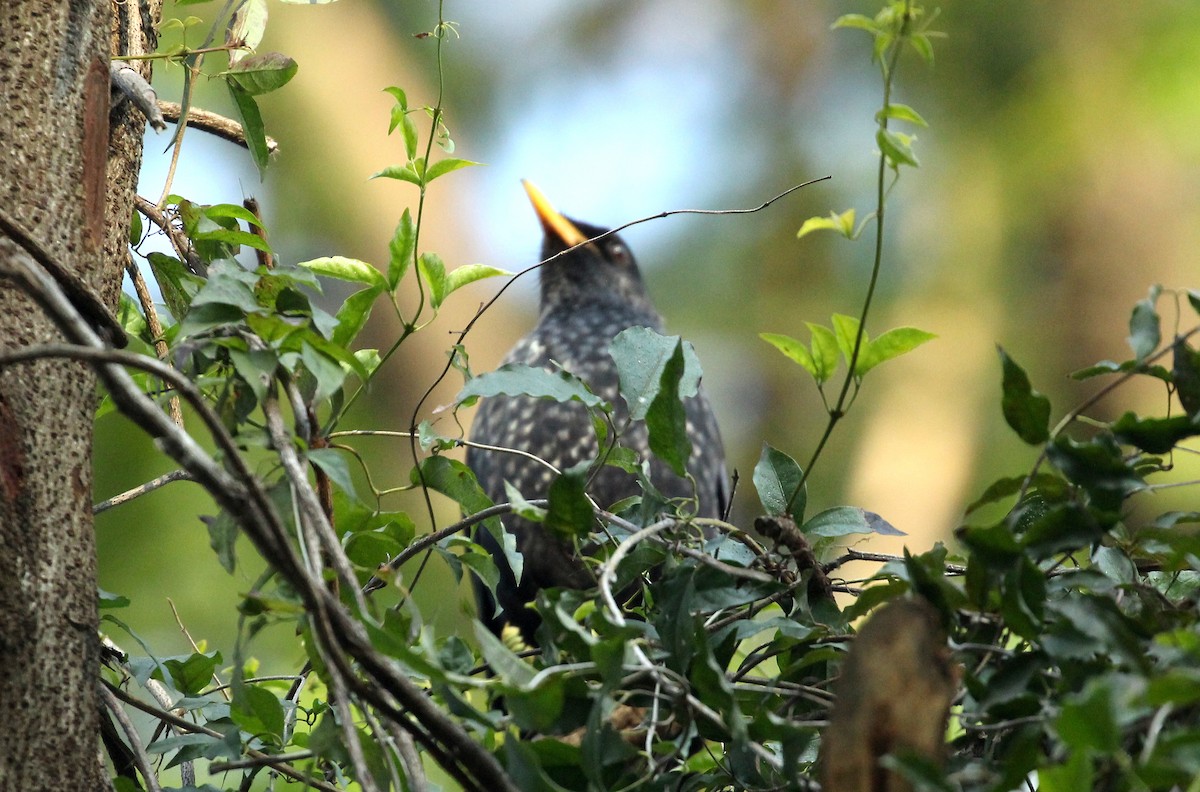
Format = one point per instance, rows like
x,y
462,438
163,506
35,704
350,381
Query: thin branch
x,y
149,486
156,330
144,765
212,123
179,240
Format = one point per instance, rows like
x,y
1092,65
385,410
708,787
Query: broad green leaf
x,y
843,520
776,477
792,348
333,463
444,166
856,21
1088,720
193,673
176,284
569,512
258,711
263,73
433,272
1025,410
326,369
252,125
229,284
401,249
256,367
502,660
666,418
641,356
456,481
514,379
469,273
522,507
824,351
345,269
1144,332
232,210
893,343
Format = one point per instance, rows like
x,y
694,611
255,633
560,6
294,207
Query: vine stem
x,y
838,411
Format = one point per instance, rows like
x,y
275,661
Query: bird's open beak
x,y
553,222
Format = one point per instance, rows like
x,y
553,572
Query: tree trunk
x,y
59,195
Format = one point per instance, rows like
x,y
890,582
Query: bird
x,y
587,297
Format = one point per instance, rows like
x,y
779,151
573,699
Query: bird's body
x,y
588,296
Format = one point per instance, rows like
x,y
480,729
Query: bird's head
x,y
603,271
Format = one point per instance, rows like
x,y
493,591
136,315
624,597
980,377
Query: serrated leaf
x,y
641,355
345,269
1144,332
776,477
1025,410
469,273
844,520
666,418
888,345
514,379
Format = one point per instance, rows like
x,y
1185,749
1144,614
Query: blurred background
x,y
1059,179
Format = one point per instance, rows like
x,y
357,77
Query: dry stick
x,y
128,495
243,497
135,741
156,330
212,123
281,767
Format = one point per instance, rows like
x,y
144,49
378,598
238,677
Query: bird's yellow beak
x,y
552,221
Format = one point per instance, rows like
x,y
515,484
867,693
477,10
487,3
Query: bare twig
x,y
156,330
149,486
179,240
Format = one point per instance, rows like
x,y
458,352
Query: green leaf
x,y
1144,332
258,711
444,166
896,148
469,273
454,480
327,370
354,314
841,223
345,269
521,507
569,512
901,112
776,477
641,356
135,228
222,534
194,673
177,285
252,125
1185,372
256,367
843,520
433,272
824,351
666,418
1025,410
890,344
514,379
793,349
399,172
856,21
1088,721
331,461
845,330
401,249
262,73
246,29
1154,435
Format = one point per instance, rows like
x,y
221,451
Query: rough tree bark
x,y
67,173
